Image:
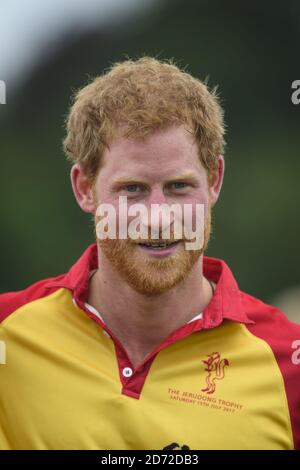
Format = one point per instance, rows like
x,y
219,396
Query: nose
x,y
159,217
156,196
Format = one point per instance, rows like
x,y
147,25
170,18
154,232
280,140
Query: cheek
x,y
196,210
200,197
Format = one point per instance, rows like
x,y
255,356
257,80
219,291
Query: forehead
x,y
161,154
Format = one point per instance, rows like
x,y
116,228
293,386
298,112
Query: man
x,y
145,344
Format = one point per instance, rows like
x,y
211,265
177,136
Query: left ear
x,y
216,184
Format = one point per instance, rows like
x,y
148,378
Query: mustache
x,y
159,237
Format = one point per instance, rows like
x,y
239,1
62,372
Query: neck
x,y
142,322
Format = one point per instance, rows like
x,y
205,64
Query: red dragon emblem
x,y
215,366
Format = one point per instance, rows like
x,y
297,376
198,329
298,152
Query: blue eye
x,y
132,188
179,184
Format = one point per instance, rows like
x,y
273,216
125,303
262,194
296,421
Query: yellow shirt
x,y
229,379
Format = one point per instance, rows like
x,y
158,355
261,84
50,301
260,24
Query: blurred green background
x,y
251,51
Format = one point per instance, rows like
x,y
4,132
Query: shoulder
x,y
267,315
12,301
273,326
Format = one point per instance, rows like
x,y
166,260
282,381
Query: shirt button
x,y
127,372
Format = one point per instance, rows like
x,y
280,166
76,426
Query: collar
x,y
226,302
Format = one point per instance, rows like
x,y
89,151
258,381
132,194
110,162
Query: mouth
x,y
160,248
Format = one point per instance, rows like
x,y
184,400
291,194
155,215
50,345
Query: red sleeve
x,y
283,337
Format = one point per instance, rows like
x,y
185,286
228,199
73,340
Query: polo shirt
x,y
228,379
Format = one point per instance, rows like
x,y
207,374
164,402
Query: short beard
x,y
149,275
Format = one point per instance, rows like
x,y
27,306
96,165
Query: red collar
x,y
225,304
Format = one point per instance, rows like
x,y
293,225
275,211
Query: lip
x,y
162,251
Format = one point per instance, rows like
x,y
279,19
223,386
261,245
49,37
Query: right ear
x,y
82,189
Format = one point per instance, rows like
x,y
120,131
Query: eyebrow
x,y
188,176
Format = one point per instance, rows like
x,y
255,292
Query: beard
x,y
150,275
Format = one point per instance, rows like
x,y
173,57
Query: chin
x,y
151,287
157,278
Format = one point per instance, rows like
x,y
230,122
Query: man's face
x,y
163,169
